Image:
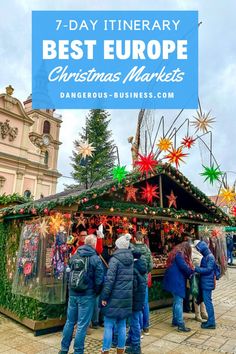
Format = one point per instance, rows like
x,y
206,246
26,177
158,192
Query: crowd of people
x,y
114,288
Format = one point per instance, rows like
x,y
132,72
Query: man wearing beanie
x,y
117,294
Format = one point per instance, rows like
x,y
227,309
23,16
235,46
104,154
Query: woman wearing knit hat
x,y
117,293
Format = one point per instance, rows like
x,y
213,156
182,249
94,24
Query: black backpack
x,y
79,273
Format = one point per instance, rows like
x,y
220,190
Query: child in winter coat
x,y
139,290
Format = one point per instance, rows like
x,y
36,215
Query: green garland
x,y
42,208
20,305
114,207
12,198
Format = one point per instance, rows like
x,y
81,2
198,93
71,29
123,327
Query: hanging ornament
x,y
172,200
211,173
233,210
215,232
149,192
227,195
119,173
188,142
203,121
175,156
131,193
34,211
22,211
109,229
146,163
144,231
55,222
85,149
43,228
46,211
164,144
81,220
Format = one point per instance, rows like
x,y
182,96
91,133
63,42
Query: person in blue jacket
x,y
179,269
207,282
117,294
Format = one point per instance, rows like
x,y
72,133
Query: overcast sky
x,y
217,76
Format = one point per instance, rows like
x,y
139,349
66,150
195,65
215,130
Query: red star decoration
x,y
233,210
172,200
149,192
175,156
131,193
188,141
146,163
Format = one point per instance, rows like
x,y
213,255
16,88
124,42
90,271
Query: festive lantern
x,y
164,144
188,142
172,200
149,192
203,121
85,149
175,156
211,173
131,193
119,173
228,195
146,164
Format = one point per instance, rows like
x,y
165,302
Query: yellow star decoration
x,y
227,194
55,222
85,149
203,121
164,144
44,228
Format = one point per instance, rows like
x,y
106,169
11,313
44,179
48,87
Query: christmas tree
x,y
94,164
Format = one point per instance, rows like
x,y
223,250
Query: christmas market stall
x,y
37,238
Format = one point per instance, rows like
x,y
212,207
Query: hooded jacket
x,y
95,271
139,289
118,286
206,269
146,253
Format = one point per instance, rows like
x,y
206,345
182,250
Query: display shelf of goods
x,y
42,260
21,307
159,261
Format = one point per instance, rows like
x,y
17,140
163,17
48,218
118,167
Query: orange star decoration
x,y
172,200
188,141
228,195
149,192
164,144
55,222
203,121
233,210
43,228
175,156
144,231
81,220
109,229
146,163
131,193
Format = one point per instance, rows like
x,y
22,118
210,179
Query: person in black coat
x,y
139,291
117,294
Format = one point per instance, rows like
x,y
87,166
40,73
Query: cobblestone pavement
x,y
163,339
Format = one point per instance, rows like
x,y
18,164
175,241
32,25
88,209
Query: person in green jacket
x,y
141,247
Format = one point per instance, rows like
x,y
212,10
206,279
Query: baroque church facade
x,y
29,145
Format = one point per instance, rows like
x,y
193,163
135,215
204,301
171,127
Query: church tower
x,y
29,145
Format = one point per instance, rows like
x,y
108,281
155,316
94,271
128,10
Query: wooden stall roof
x,y
192,203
